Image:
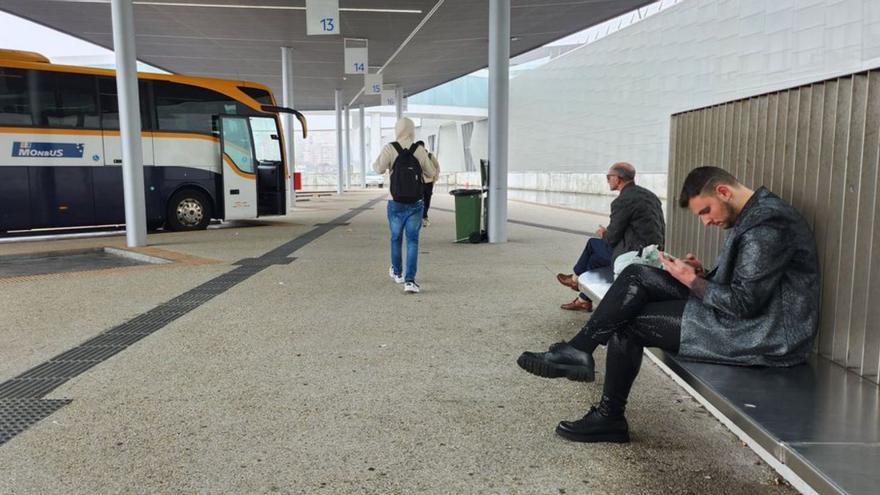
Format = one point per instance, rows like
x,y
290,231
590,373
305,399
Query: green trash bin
x,y
468,209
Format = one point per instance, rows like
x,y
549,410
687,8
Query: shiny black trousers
x,y
643,308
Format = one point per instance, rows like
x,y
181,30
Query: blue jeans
x,y
405,217
597,253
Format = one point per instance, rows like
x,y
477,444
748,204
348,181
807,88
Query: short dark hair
x,y
703,180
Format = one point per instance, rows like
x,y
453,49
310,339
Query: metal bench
x,y
817,424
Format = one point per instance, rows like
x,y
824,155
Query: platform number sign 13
x,y
322,17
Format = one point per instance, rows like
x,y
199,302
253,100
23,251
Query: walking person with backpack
x,y
410,166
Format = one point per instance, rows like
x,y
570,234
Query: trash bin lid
x,y
465,192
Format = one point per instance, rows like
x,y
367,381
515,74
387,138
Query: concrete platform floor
x,y
322,376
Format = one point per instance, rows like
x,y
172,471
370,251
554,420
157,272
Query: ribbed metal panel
x,y
818,147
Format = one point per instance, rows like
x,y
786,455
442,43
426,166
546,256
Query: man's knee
x,y
637,270
621,345
412,232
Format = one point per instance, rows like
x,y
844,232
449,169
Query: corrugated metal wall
x,y
817,146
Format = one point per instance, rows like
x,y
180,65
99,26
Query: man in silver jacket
x,y
759,306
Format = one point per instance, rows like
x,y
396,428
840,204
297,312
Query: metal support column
x,y
398,102
122,14
339,178
287,101
347,127
499,85
363,142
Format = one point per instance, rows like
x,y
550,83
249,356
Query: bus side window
x,y
182,107
76,105
110,103
26,96
15,107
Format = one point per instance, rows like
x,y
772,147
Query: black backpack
x,y
406,175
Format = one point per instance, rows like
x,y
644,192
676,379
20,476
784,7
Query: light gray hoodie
x,y
405,130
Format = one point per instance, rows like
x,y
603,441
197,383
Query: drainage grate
x,y
265,261
17,415
89,353
58,369
31,388
115,339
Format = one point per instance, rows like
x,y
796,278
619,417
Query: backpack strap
x,y
413,148
397,147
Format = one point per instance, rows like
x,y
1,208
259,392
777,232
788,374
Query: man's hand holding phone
x,y
685,271
691,260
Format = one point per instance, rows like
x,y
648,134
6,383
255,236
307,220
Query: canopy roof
x,y
241,39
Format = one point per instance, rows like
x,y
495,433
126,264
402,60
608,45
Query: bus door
x,y
239,167
271,186
109,198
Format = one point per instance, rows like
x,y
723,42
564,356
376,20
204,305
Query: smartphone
x,y
668,256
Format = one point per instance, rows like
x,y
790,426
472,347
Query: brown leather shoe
x,y
578,305
566,280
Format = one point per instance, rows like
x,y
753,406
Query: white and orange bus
x,y
212,148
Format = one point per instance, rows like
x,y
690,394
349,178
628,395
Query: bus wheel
x,y
188,210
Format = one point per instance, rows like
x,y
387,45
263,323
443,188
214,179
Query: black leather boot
x,y
606,423
561,360
601,424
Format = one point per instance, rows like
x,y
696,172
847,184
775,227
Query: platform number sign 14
x,y
322,17
355,55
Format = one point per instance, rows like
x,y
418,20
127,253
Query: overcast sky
x,y
20,34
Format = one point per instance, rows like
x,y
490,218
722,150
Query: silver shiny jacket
x,y
761,305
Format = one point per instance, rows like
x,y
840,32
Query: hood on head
x,y
405,130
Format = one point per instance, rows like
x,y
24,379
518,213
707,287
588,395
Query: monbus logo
x,y
25,149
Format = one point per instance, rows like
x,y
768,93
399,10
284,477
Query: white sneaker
x,y
397,278
411,287
425,222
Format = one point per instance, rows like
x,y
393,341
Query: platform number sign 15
x,y
322,17
373,84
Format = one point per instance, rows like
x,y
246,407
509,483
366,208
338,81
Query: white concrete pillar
x,y
122,15
398,102
375,135
288,119
499,86
362,134
347,128
339,178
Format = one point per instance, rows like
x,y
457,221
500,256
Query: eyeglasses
x,y
610,176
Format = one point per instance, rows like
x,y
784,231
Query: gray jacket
x,y
636,221
760,305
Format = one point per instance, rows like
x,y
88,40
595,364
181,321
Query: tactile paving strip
x,y
17,415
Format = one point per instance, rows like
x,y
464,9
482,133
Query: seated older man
x,y
636,221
